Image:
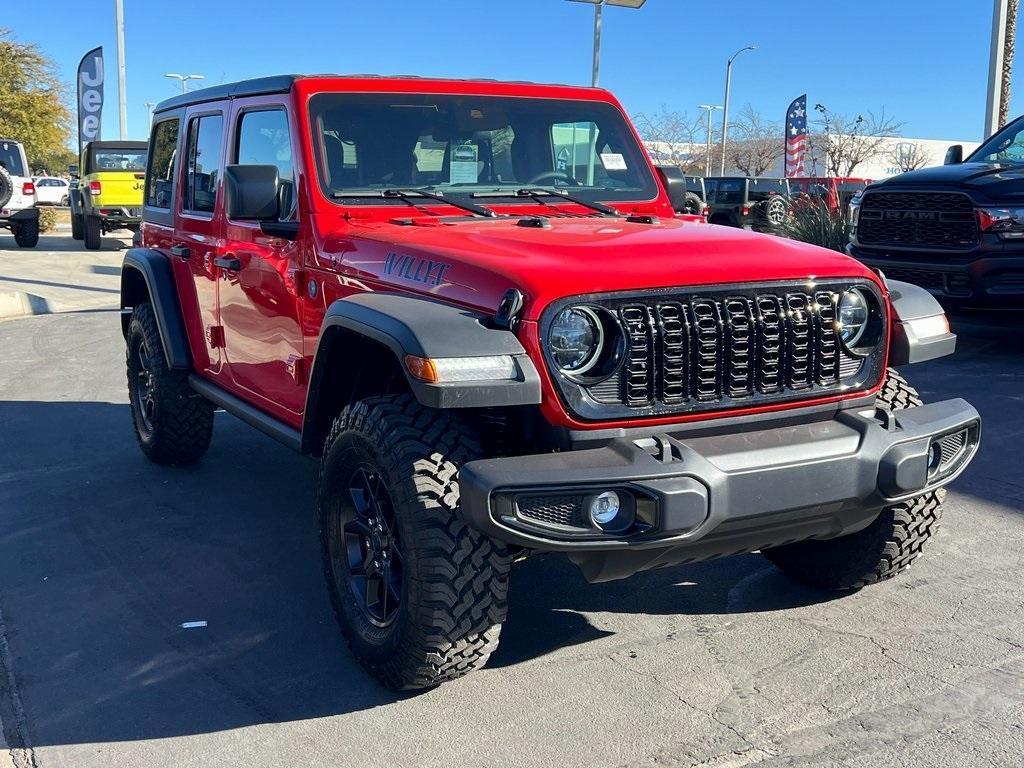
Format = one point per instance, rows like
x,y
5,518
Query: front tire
x,y
27,234
419,595
93,232
173,423
886,547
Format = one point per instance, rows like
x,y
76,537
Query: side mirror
x,y
73,170
674,181
955,154
250,192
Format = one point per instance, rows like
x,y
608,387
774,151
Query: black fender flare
x,y
153,268
912,304
424,327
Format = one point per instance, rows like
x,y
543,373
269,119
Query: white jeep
x,y
18,211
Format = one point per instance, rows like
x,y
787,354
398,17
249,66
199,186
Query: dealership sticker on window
x,y
464,164
613,161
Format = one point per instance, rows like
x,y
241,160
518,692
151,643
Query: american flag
x,y
796,137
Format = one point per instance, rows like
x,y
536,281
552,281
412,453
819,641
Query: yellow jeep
x,y
109,192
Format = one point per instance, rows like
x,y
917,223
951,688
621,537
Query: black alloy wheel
x,y
364,542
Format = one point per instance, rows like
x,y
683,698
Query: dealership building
x,y
893,154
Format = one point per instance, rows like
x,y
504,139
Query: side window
x,y
163,161
205,138
264,139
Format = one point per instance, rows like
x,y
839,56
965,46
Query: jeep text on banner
x,y
90,97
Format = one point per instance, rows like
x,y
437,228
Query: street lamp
x,y
598,6
149,110
710,108
183,78
725,110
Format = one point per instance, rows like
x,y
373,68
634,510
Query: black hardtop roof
x,y
111,144
260,86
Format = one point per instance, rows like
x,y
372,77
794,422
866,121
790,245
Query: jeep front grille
x,y
722,347
918,219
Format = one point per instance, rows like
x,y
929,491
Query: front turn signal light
x,y
445,370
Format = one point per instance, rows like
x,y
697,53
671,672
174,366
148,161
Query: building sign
x,y
90,97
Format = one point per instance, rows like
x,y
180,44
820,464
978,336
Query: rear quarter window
x,y
163,163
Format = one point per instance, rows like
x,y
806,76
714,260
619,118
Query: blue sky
x,y
925,61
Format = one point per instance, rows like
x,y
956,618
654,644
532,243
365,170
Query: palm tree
x,y
1008,45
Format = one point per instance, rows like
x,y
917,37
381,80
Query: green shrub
x,y
816,224
47,219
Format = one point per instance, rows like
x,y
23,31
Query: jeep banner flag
x,y
796,137
90,97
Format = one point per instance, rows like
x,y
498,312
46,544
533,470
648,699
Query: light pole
x,y
183,78
149,110
122,101
598,6
725,109
710,108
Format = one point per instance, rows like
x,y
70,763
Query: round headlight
x,y
576,339
854,314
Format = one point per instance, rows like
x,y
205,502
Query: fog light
x,y
604,508
934,457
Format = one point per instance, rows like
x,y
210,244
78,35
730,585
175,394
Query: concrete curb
x,y
21,304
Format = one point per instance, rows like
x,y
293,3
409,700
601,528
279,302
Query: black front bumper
x,y
698,497
990,275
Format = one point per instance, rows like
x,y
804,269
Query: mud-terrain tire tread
x,y
457,577
184,422
92,232
27,235
882,550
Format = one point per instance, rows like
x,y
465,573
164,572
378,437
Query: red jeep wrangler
x,y
472,303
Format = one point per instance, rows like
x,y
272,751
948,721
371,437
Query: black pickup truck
x,y
956,230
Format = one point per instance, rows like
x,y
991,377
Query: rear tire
x,y
77,227
693,204
423,602
173,423
93,232
882,550
27,234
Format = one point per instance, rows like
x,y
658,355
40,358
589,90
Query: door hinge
x,y
298,282
297,369
215,335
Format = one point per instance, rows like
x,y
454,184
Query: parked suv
x,y
109,193
758,204
17,195
472,303
956,230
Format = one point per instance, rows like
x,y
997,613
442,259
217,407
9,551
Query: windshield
x,y
1007,146
119,160
10,158
466,145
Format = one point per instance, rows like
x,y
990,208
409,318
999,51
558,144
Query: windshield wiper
x,y
539,193
407,195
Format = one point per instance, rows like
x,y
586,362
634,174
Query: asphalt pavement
x,y
103,558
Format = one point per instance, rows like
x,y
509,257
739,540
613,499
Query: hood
x,y
475,261
997,181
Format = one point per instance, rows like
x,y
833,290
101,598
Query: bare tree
x,y
673,138
758,144
1009,43
842,143
908,156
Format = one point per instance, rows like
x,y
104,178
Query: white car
x,y
52,191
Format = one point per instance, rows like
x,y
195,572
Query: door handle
x,y
230,263
181,251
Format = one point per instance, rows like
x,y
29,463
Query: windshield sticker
x,y
417,270
464,164
613,161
